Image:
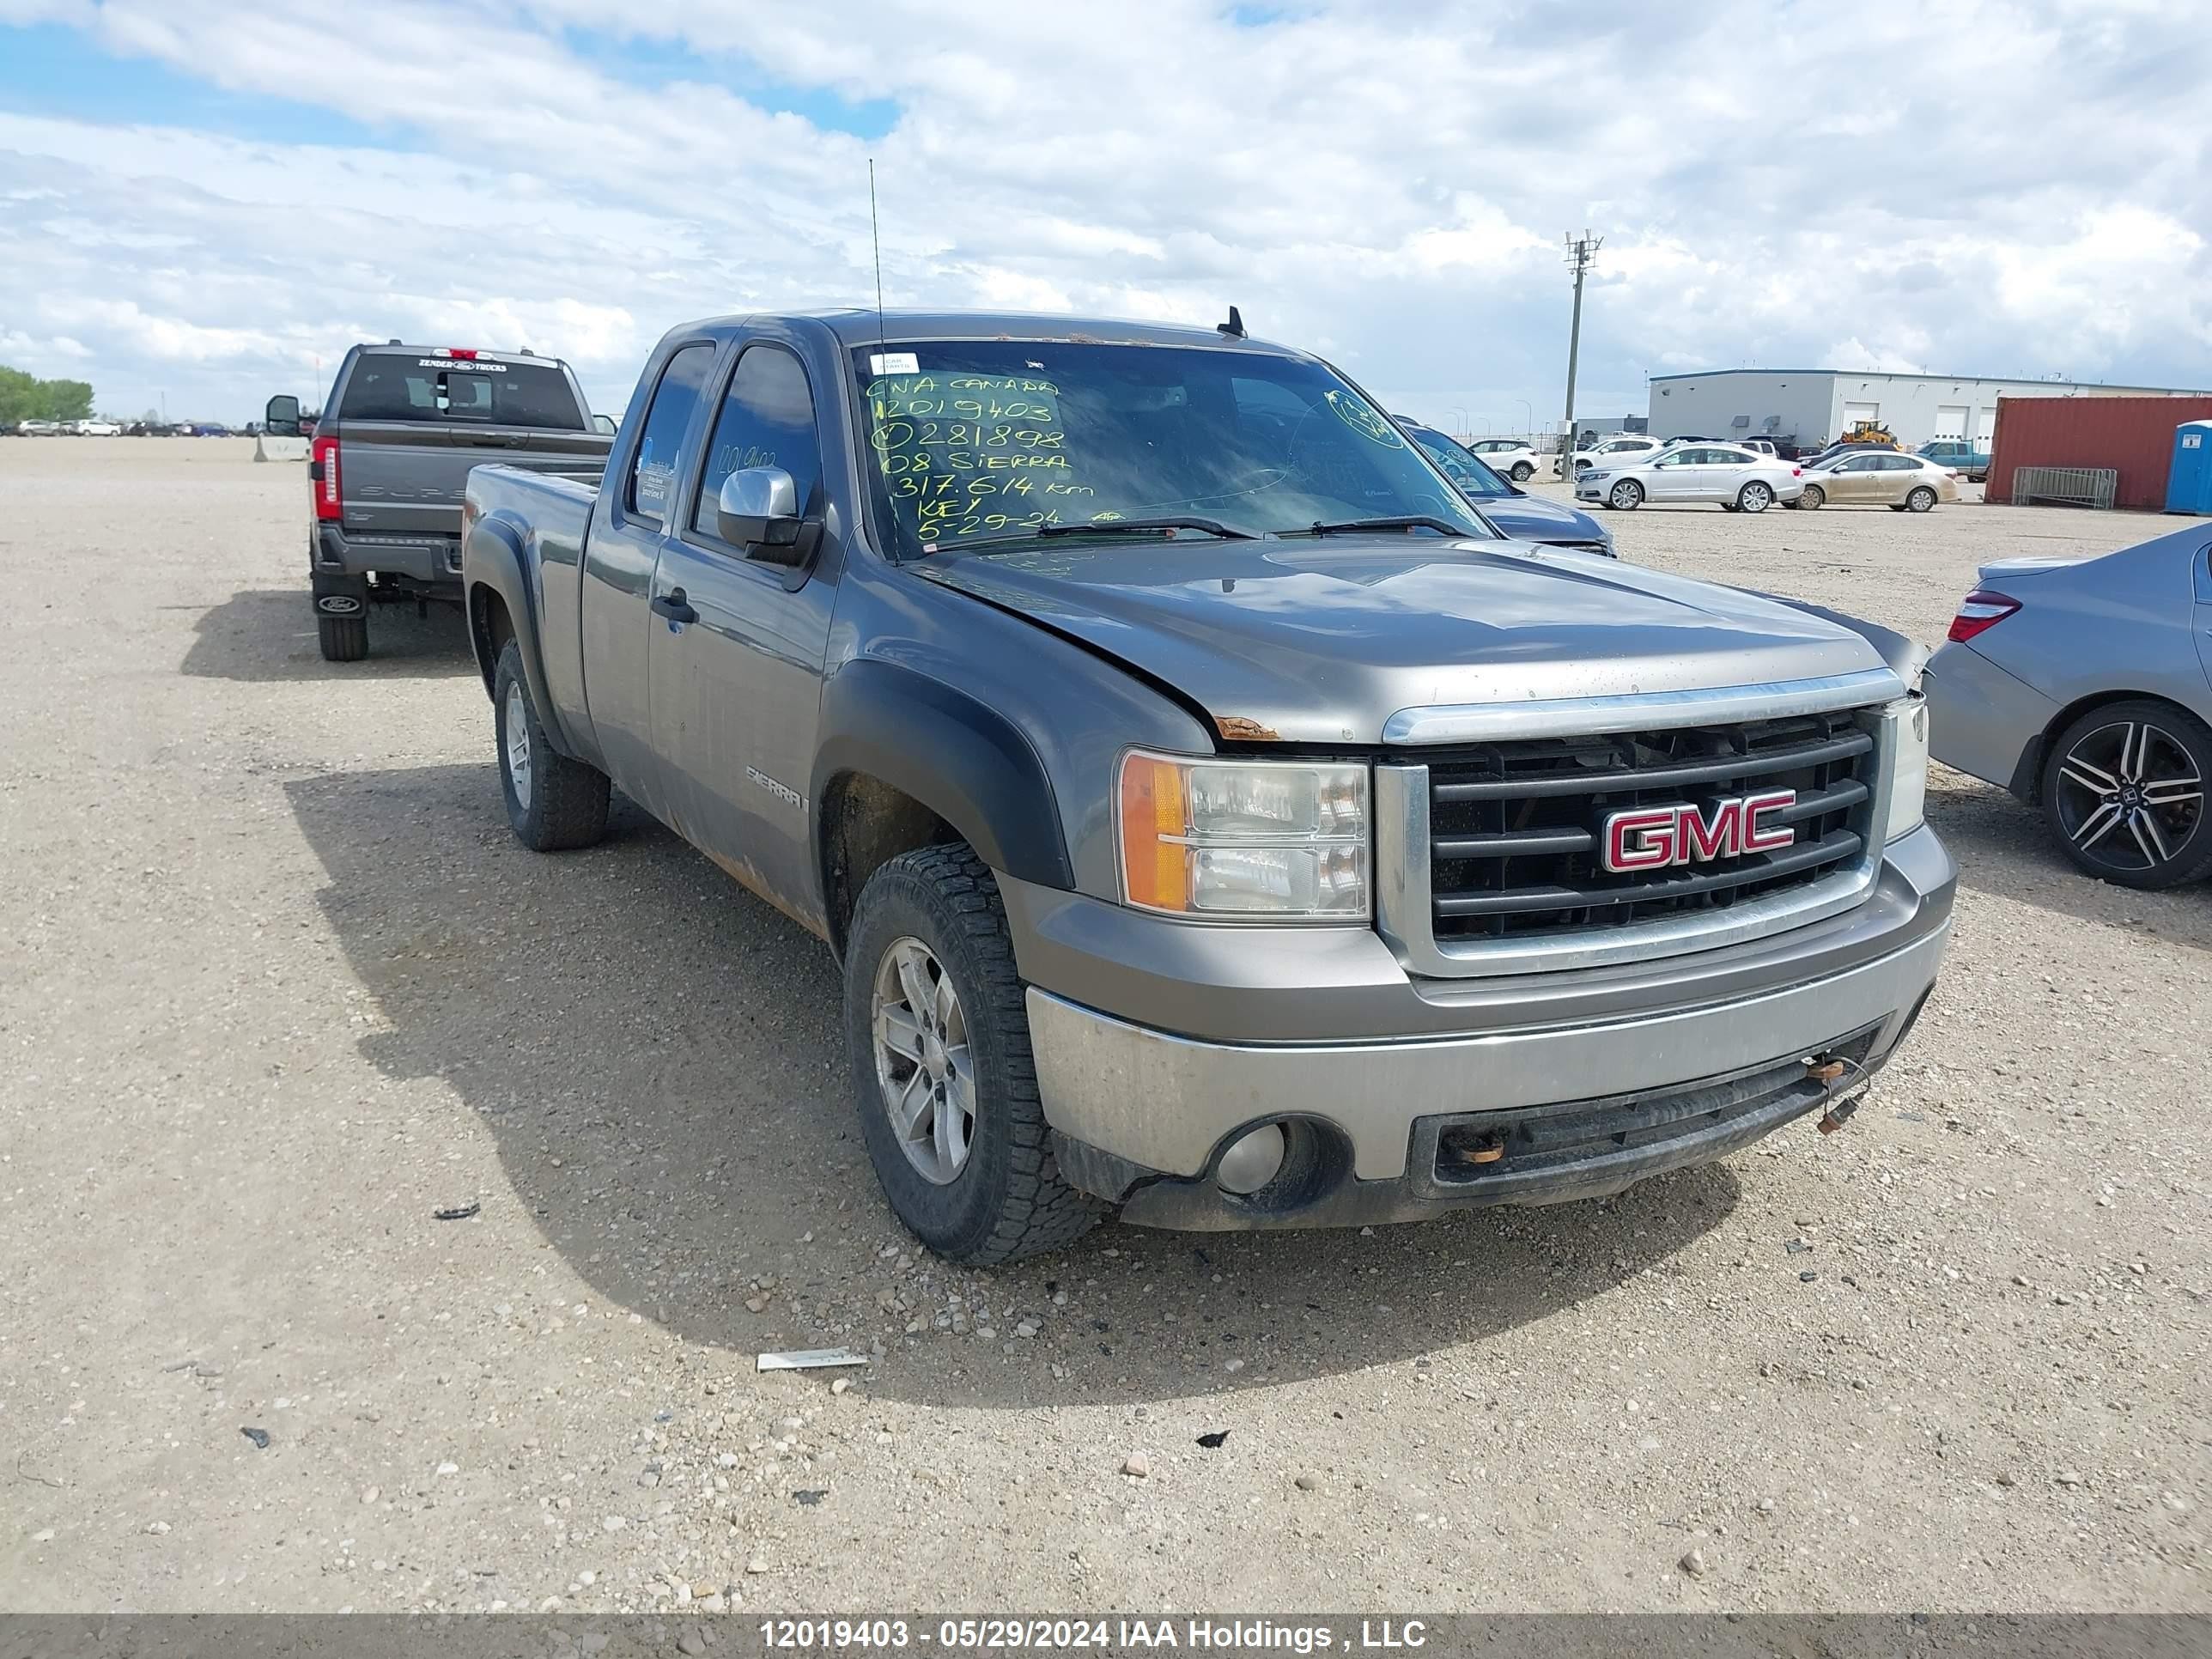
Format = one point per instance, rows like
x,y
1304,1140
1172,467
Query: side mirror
x,y
281,417
604,425
758,511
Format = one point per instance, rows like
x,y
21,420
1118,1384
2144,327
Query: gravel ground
x,y
279,984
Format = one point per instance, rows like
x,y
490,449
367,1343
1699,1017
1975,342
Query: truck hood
x,y
1321,641
1535,518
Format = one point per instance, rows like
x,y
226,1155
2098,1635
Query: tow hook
x,y
1826,1070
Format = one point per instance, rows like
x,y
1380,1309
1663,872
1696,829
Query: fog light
x,y
1252,1161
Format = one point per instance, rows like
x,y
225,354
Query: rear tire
x,y
1627,495
554,803
1920,501
2103,829
1755,497
343,638
1522,472
936,910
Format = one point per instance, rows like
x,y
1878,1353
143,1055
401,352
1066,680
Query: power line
x,y
1582,254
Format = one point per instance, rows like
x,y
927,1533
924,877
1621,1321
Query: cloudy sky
x,y
207,200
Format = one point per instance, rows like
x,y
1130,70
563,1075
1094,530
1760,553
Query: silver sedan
x,y
2085,687
1739,480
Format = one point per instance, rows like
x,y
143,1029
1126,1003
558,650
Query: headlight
x,y
1257,839
1907,719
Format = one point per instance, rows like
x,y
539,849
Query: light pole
x,y
1465,422
1530,410
1582,253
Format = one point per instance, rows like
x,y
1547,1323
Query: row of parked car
x,y
99,428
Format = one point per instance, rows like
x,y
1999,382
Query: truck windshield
x,y
386,386
985,440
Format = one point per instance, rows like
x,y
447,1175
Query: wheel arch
x,y
906,761
2028,775
502,605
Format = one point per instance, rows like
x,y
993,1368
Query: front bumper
x,y
1591,1080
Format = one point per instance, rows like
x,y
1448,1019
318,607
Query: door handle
x,y
673,605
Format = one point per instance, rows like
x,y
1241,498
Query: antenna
x,y
876,237
1233,328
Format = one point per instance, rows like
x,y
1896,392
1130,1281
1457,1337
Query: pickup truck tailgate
x,y
405,478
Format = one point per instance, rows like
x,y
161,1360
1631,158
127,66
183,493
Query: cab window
x,y
766,419
647,493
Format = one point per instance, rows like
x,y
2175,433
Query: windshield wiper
x,y
1407,521
1120,526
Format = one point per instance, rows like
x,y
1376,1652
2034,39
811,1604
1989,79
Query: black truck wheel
x,y
554,803
342,618
942,1074
343,638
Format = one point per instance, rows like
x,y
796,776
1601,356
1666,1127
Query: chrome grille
x,y
1515,826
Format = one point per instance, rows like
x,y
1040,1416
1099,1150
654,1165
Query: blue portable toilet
x,y
2189,484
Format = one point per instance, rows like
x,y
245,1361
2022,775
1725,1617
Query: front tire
x,y
554,804
1813,498
1920,499
1627,495
1755,497
2123,790
943,1077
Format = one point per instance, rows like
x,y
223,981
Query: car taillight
x,y
1980,611
329,504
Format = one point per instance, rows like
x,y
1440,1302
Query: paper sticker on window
x,y
2193,441
894,362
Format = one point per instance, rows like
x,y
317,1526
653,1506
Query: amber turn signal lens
x,y
1155,862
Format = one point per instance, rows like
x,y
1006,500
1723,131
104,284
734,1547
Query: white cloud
x,y
1386,182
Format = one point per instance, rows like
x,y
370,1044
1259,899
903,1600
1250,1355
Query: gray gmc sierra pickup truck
x,y
1217,820
391,453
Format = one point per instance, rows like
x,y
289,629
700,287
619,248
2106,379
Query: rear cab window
x,y
387,386
649,491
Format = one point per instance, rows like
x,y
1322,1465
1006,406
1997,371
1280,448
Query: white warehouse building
x,y
1814,406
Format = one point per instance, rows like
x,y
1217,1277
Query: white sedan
x,y
1627,448
1511,457
1739,480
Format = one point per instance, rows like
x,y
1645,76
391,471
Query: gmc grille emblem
x,y
1654,837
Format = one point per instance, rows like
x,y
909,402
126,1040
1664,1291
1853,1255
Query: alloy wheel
x,y
2129,796
924,1069
1756,498
1627,495
1921,499
515,716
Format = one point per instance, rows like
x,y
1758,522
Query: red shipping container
x,y
2133,436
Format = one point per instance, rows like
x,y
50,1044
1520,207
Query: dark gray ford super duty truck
x,y
391,455
1217,820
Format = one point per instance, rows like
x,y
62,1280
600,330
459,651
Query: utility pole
x,y
1582,254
